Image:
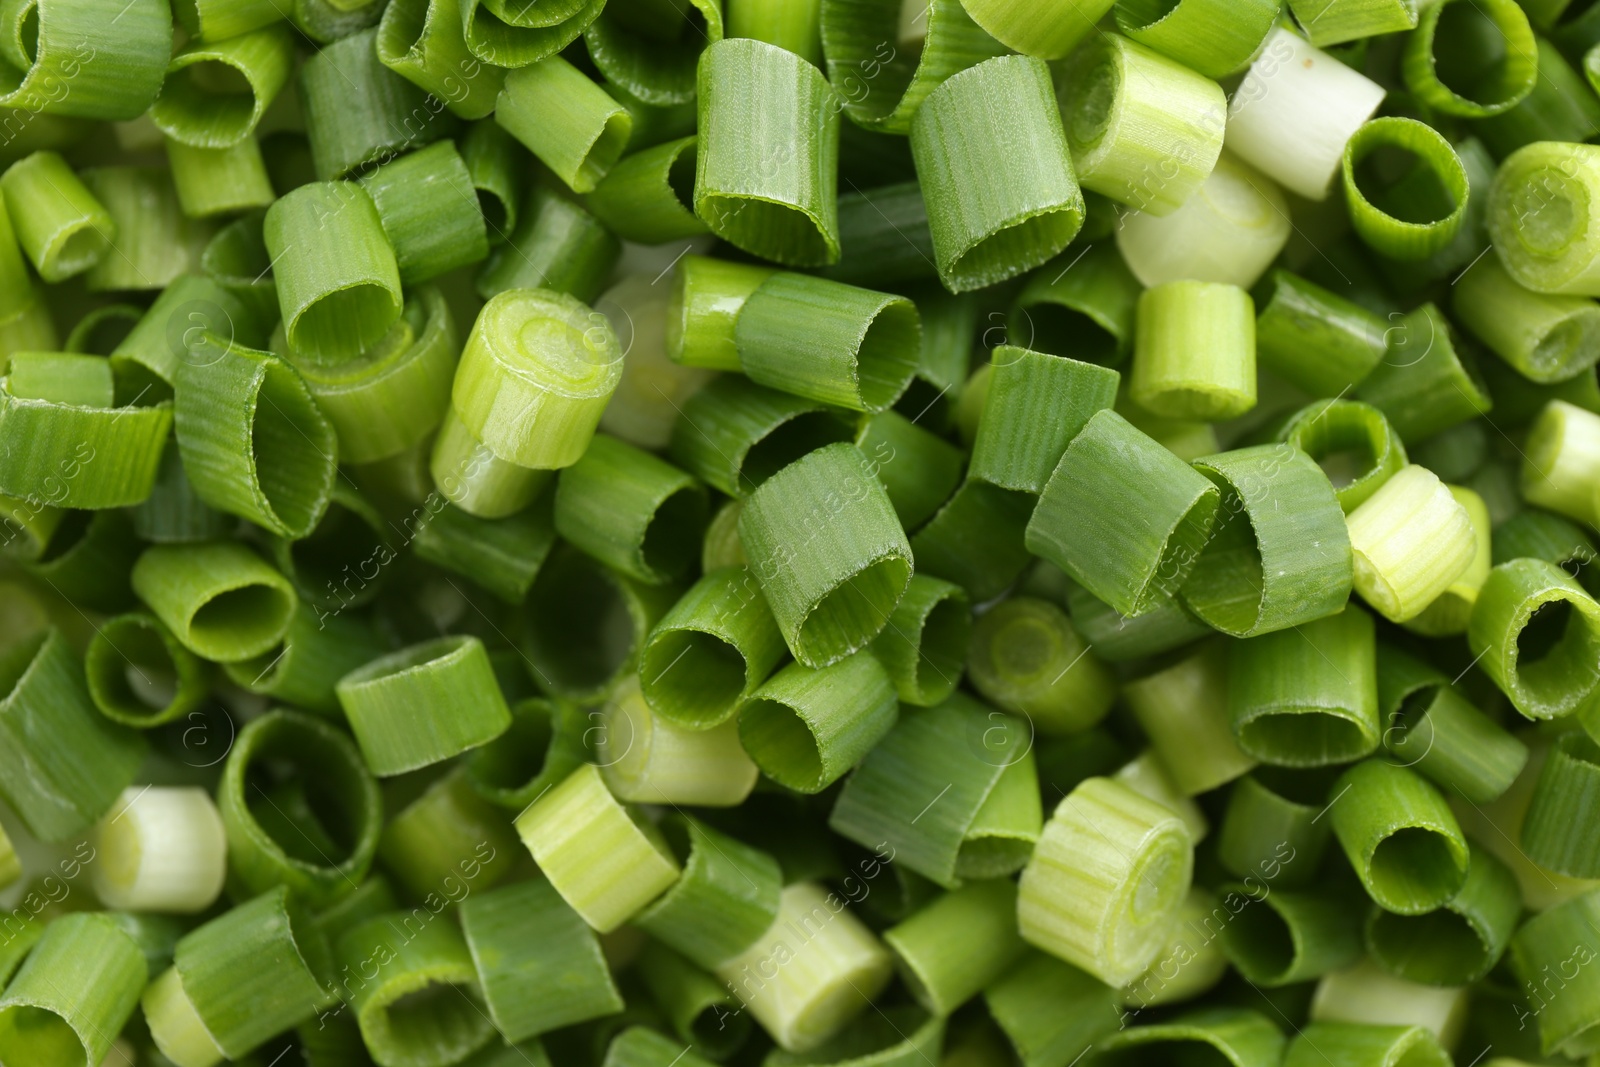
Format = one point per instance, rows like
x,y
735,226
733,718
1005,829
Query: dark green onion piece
x,y
1037,404
1427,382
924,645
883,237
707,296
640,1046
959,944
423,41
501,555
88,560
73,993
1536,634
555,244
918,468
102,329
219,599
977,540
1081,305
1314,338
72,454
649,196
1550,953
1353,443
1273,830
1459,942
1236,1036
501,34
1399,835
1418,213
544,743
1279,937
1027,658
498,166
734,434
631,511
339,564
100,60
321,647
429,212
1486,51
806,727
216,91
571,124
1541,535
651,49
139,674
702,1011
725,899
237,261
1116,638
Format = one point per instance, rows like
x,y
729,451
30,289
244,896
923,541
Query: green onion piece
x,y
649,196
407,1015
1144,130
598,854
631,511
216,91
328,21
1190,963
160,848
101,60
1279,555
1307,696
88,560
735,435
1561,461
474,479
73,994
567,121
10,871
543,745
101,330
350,537
1084,310
423,41
1278,937
448,829
1412,539
707,297
1418,214
1461,941
1352,442
538,964
321,647
60,224
1313,338
215,19
828,552
828,976
1548,953
977,539
1027,658
765,176
1451,66
1214,37
219,181
1433,728
1122,516
429,212
501,35
1538,211
727,897
640,1046
556,245
1229,231
805,727
1399,835
28,525
153,243
1330,22
919,469
645,759
236,981
1116,638
711,651
1543,664
1546,338
423,704
501,555
140,675
1452,610
1106,880
65,378
219,599
1555,832
924,645
238,263
1031,206
790,24
1037,404
1232,1035
1051,1012
1050,30
650,395
651,49
358,111
1423,393
721,547
80,456
1183,710
953,948
1541,535
702,1012
338,279
1194,351
498,166
1553,111
1273,830
1345,1044
1145,775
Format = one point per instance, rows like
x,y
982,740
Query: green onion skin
x,y
1026,657
138,646
642,197
1460,942
1548,953
498,166
73,993
977,540
543,745
805,727
726,898
721,547
790,24
555,244
1084,311
327,765
1037,405
100,60
1271,836
1419,215
711,651
329,21
1194,351
1399,835
1234,1035
1427,382
1555,832
1122,516
1352,20
1307,696
79,456
219,181
500,555
1512,63
828,552
1116,638
1554,111
320,647
60,224
1329,431
63,764
1050,1011
1561,677
765,171
1183,710
539,966
1347,1044
708,296
429,212
654,63
502,37
924,645
1214,37
1561,461
631,511
955,947
564,119
423,42
195,111
1032,207
1545,338
473,478
1187,966
702,1012
219,599
918,468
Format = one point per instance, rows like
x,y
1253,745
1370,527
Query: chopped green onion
x,y
1538,216
1279,937
424,42
953,948
1036,406
501,36
1555,831
472,477
1234,1035
237,262
1194,351
721,547
73,993
498,166
447,833
161,848
217,90
1352,442
543,744
790,24
1084,311
646,759
924,645
1548,953
631,511
1183,710
651,49
564,119
1352,20
429,212
1399,835
1452,65
1419,213
735,435
1561,461
1412,539
1272,830
805,727
1049,30
1117,638
1545,337
219,181
1461,941
153,243
501,555
1538,635
139,674
101,60
1187,965
707,297
649,196
321,647
60,224
701,1010
1346,1044
977,540
1214,37
918,468
219,599
1451,611
1145,775
556,245
1027,658
1051,1012
1425,393
1541,535
1556,109
725,900
78,455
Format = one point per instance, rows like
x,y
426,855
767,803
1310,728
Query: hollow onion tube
x,y
605,862
429,212
60,224
735,435
321,646
1561,461
651,50
1427,382
1459,942
220,600
423,42
828,552
1411,540
74,992
1273,829
1105,881
1353,443
88,560
1122,516
1037,405
1399,835
1367,995
1554,833
1117,638
236,981
1027,658
78,455
538,964
1313,338
1307,696
1546,338
711,651
1084,311
726,898
1278,556
649,196
219,181
632,511
1539,211
139,674
950,950
161,848
1183,710
348,539
1450,611
99,60
1229,231
1419,213
1144,130
501,555
423,704
813,971
571,124
978,514
1500,65
645,759
1295,111
448,829
805,727
702,1012
236,262
1194,351
918,468
1541,535
203,102
556,245
924,645
1550,953
707,297
881,78
1214,37
497,164
1031,207
503,35
1538,635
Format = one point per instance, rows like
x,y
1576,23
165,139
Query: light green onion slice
x,y
1451,612
826,978
1313,338
918,468
60,224
73,993
1027,658
1272,829
1276,937
472,477
1561,461
1214,37
160,848
651,50
1545,337
924,645
1337,21
707,297
953,948
1410,212
1106,880
1050,1011
1555,831
1427,382
1411,540
653,388
543,745
1236,1036
503,35
423,704
500,555
539,966
321,646
1352,442
726,899
1399,835
1539,217
139,674
1544,951
605,861
78,455
766,166
632,511
1343,1043
1030,207
721,547
424,42
649,196
735,435
1476,60
1049,30
556,245
100,60
805,727
1183,710
1459,942
645,759
567,121
216,91
154,242
448,832
219,181
1083,310
1307,696
1190,963
1145,775
219,599
1194,351
1037,404
977,540
702,1012
711,651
